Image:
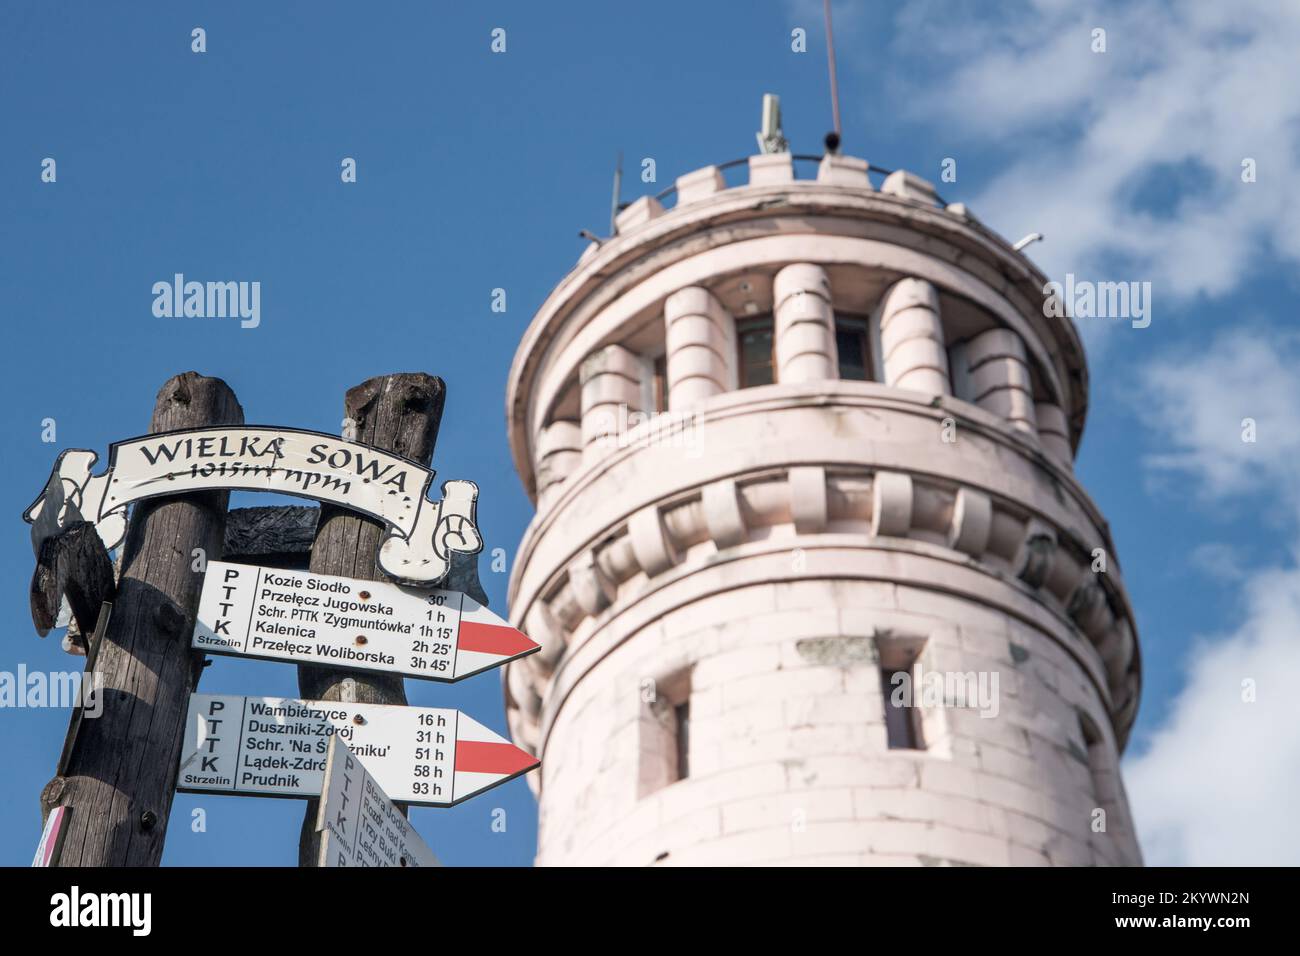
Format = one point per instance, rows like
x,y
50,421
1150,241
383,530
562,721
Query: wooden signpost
x,y
353,637
399,413
420,534
119,776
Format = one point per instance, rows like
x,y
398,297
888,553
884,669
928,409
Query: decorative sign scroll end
x,y
423,559
73,494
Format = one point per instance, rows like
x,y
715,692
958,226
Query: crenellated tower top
x,y
852,207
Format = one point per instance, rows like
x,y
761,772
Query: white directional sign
x,y
361,625
276,747
358,824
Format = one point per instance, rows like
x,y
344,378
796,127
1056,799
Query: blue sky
x,y
475,172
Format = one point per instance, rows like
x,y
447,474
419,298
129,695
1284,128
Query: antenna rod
x,y
618,190
830,58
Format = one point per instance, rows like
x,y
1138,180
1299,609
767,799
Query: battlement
x,y
780,170
866,228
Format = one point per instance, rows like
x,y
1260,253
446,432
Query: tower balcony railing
x,y
876,175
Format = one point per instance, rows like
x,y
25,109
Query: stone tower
x,y
814,579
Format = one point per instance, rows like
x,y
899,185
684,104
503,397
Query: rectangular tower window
x,y
902,713
682,715
664,732
660,384
901,697
1098,762
851,344
754,338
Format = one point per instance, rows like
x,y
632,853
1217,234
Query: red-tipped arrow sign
x,y
276,747
305,618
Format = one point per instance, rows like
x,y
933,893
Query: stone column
x,y
999,377
611,391
911,338
804,333
559,453
701,353
1054,433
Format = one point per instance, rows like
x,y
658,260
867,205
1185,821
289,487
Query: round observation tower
x,y
814,579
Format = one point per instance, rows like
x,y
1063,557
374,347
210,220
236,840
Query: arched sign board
x,y
422,534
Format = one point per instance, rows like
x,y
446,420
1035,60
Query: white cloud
x,y
1186,90
1202,403
1216,784
1218,560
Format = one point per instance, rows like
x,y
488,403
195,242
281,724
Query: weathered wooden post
x,y
398,413
122,766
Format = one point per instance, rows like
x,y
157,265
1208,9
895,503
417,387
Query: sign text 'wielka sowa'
x,y
422,534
